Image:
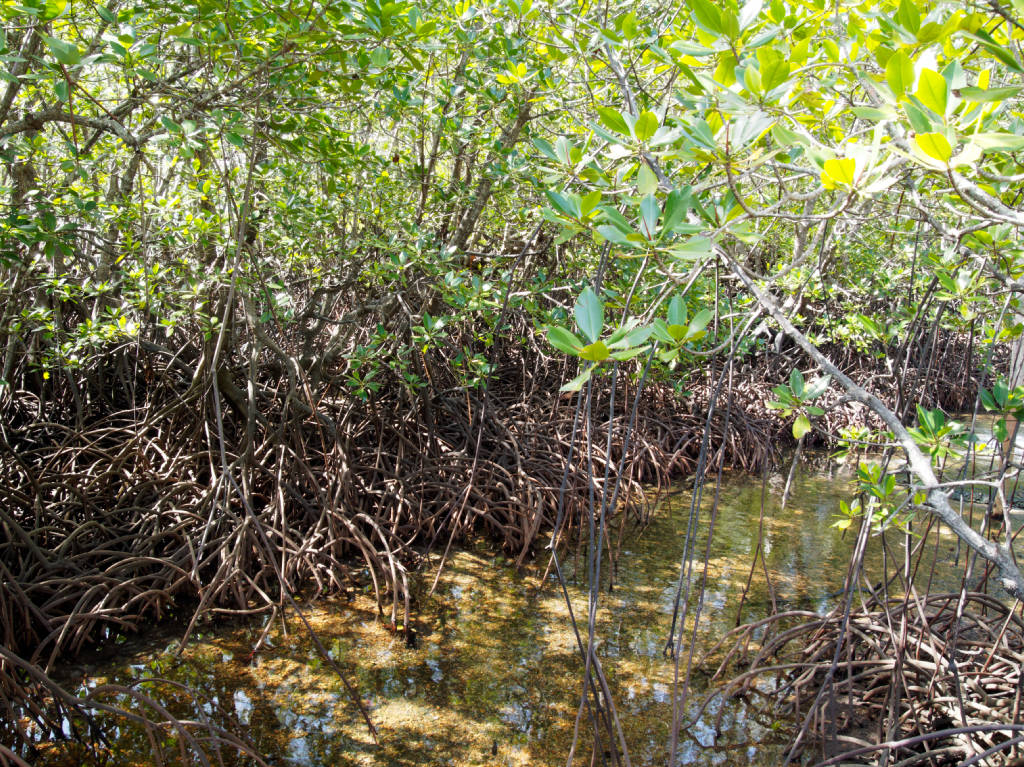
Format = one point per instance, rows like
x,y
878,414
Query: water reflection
x,y
496,678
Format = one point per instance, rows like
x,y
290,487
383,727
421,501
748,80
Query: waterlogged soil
x,y
494,677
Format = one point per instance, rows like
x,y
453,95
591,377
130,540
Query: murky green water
x,y
495,679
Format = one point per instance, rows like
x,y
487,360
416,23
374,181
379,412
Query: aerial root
x,y
910,678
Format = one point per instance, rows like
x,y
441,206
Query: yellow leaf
x,y
838,172
931,91
934,145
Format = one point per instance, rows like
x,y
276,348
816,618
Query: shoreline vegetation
x,y
290,291
155,545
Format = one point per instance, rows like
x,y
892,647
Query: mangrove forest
x,y
511,382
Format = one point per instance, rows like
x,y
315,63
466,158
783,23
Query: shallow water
x,y
495,678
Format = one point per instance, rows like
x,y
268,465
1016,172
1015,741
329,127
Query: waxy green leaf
x,y
589,314
899,73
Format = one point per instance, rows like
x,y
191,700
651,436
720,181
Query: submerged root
x,y
166,499
931,680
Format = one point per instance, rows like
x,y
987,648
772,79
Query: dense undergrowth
x,y
131,496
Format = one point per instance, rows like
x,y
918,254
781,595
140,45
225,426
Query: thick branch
x,y
36,121
1010,576
508,140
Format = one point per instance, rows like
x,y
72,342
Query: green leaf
x,y
676,205
996,50
612,216
752,80
613,119
989,95
918,119
816,388
801,426
545,149
787,138
589,202
692,249
871,113
627,354
995,142
774,68
796,383
646,125
54,8
577,383
932,91
934,145
169,125
676,311
988,401
1001,392
661,331
563,150
697,325
569,206
707,15
614,234
899,73
589,314
66,53
627,337
564,341
649,212
676,333
646,181
908,17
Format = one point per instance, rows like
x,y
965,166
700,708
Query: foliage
x,y
372,195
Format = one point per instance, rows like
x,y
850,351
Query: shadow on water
x,y
495,676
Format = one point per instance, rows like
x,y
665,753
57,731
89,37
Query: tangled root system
x,y
929,680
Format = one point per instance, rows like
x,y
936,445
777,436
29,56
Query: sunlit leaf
x,y
774,67
932,91
699,322
908,16
999,142
899,73
838,172
646,181
707,15
801,426
934,145
989,95
646,125
613,119
595,352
